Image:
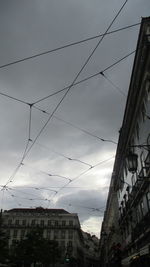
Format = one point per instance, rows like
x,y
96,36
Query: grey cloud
x,y
28,27
84,202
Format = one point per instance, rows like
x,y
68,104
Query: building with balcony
x,y
128,205
57,224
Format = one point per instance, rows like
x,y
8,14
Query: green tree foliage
x,y
35,249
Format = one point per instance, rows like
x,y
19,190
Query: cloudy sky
x,y
60,161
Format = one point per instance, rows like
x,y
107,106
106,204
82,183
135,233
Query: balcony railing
x,y
142,227
138,189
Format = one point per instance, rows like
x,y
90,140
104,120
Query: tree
x,y
35,249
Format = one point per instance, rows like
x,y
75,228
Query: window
x,y
14,242
24,222
70,234
69,247
55,234
8,233
15,233
70,223
63,223
9,222
17,222
63,233
49,234
49,223
69,243
52,222
56,223
33,222
42,223
22,233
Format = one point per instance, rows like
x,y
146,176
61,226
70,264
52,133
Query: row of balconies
x,y
133,198
143,179
74,227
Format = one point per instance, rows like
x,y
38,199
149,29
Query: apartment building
x,y
57,224
131,174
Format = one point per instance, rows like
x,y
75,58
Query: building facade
x,y
57,224
131,174
91,250
110,235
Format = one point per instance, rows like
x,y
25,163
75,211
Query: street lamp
x,y
132,162
132,158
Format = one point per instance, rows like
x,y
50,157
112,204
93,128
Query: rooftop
x,y
38,210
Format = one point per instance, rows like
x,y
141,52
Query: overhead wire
x,y
14,98
77,177
118,61
76,77
40,188
65,46
20,191
114,85
85,131
93,51
30,199
18,204
90,208
47,173
66,87
29,133
30,121
100,210
83,80
55,192
25,150
63,155
72,84
101,162
50,188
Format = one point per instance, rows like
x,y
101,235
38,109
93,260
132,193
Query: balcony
x,y
141,228
141,184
